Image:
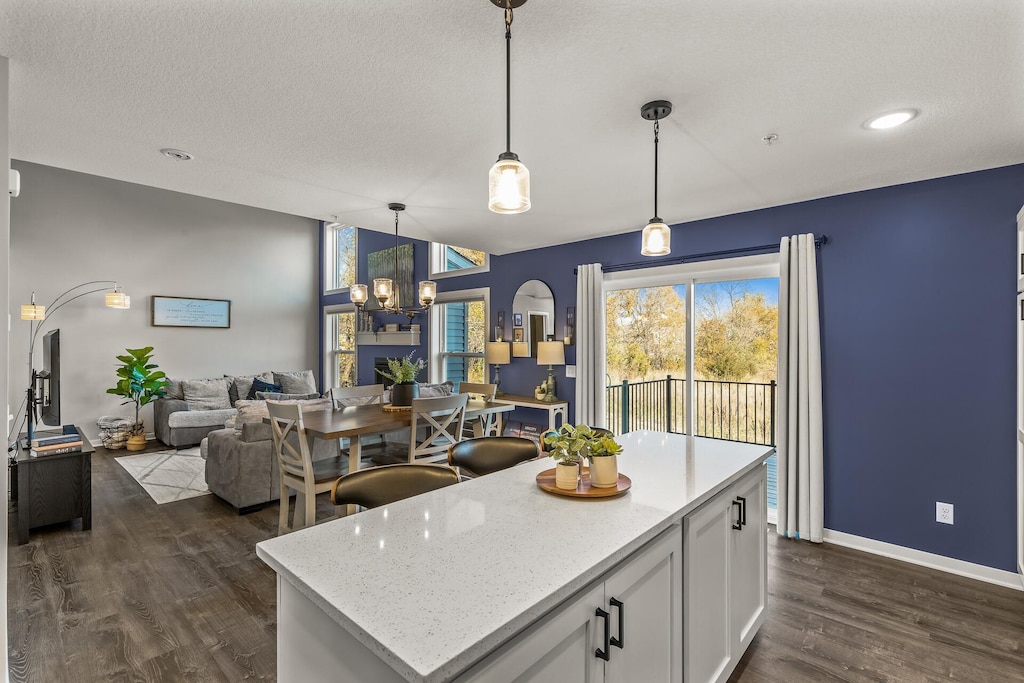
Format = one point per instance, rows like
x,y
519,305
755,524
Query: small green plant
x,y
571,444
140,382
403,370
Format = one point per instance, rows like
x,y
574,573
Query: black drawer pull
x,y
738,524
743,510
620,642
603,654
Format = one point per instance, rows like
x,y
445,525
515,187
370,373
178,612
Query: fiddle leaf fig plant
x,y
139,381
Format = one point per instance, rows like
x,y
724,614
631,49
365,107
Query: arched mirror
x,y
533,316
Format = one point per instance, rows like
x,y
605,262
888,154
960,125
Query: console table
x,y
54,488
554,408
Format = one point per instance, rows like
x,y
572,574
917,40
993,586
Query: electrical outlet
x,y
944,512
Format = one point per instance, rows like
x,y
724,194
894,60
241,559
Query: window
x,y
694,347
458,324
339,347
340,255
447,260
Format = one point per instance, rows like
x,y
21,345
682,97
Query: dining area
x,y
449,439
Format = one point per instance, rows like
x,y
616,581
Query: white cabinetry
x,y
725,579
1020,393
624,629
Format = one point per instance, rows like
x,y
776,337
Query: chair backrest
x,y
491,453
357,396
443,418
286,419
484,390
378,486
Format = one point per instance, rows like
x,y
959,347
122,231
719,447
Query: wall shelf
x,y
388,338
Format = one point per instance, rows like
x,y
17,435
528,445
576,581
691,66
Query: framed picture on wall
x,y
517,334
176,311
517,320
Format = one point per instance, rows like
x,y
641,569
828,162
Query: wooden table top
x,y
372,419
530,401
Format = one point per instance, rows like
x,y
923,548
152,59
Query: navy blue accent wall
x,y
917,296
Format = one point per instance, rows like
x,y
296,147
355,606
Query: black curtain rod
x,y
760,249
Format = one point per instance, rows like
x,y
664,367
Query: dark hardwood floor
x,y
175,593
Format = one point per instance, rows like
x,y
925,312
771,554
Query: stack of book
x,y
56,445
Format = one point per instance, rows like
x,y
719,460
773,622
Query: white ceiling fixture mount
x,y
176,154
509,180
890,119
385,289
657,237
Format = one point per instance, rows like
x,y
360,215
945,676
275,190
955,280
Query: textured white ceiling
x,y
336,107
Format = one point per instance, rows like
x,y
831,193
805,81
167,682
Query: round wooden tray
x,y
388,408
546,480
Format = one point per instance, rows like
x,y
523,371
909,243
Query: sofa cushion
x,y
274,396
253,412
199,418
239,386
254,431
296,381
206,394
259,385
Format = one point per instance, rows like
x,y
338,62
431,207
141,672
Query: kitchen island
x,y
494,579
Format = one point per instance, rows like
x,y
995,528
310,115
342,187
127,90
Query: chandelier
x,y
385,289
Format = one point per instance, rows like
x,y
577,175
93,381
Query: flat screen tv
x,y
51,378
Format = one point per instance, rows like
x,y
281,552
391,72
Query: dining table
x,y
353,421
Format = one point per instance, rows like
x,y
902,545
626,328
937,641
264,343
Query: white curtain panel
x,y
590,345
799,438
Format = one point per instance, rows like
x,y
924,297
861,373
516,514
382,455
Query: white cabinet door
x,y
558,649
645,603
707,642
748,571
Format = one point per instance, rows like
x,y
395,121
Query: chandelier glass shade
x,y
508,183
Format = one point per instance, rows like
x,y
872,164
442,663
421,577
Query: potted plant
x,y
567,447
403,372
573,444
139,382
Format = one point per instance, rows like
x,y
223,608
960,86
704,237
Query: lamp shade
x,y
520,350
428,292
508,187
358,294
118,299
382,290
32,312
656,239
497,353
550,353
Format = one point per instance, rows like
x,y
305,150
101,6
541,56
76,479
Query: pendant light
x,y
509,180
384,288
657,237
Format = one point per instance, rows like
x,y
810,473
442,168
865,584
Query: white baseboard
x,y
999,577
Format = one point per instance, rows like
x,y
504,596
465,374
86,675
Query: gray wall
x,y
68,228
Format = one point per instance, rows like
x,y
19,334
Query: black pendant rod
x,y
508,77
656,169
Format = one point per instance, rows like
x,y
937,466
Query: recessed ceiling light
x,y
176,154
891,119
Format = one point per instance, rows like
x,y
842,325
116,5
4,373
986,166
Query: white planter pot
x,y
604,471
567,476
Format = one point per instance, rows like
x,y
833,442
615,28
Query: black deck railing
x,y
737,411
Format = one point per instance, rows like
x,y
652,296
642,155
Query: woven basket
x,y
114,431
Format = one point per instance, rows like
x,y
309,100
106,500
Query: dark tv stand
x,y
54,488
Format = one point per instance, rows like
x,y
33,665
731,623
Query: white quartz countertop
x,y
433,583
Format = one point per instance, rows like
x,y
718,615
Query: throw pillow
x,y
296,382
260,385
241,385
173,390
272,396
206,394
436,390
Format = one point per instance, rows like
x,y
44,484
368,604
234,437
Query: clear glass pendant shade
x,y
656,240
428,292
382,289
508,187
358,294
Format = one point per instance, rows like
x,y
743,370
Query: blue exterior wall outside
x,y
916,290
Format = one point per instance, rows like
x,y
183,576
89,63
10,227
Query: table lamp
x,y
520,350
550,353
497,353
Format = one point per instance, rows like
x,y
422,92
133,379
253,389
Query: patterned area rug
x,y
169,475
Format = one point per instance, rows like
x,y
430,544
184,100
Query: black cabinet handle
x,y
743,510
619,642
738,524
603,654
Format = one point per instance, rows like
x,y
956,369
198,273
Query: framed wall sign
x,y
174,311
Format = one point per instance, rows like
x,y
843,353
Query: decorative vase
x,y
137,442
567,475
604,471
402,393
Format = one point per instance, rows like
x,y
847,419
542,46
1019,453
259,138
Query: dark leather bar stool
x,y
389,483
487,454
